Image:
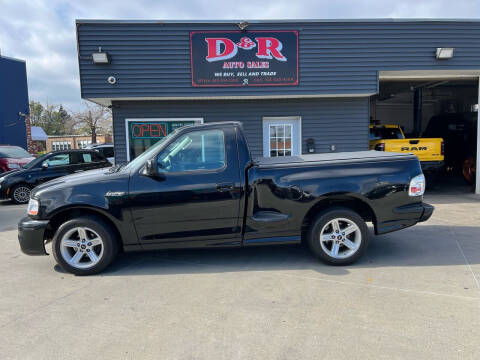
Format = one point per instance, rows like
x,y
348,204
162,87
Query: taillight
x,y
380,147
417,186
443,148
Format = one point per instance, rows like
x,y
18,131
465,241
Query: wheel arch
x,y
69,213
362,208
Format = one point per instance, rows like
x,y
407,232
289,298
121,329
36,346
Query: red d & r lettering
x,y
215,52
268,47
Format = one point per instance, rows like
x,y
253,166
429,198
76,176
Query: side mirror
x,y
44,165
151,170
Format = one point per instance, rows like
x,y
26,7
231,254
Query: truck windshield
x,y
378,133
148,154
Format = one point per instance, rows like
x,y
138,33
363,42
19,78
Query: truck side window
x,y
196,150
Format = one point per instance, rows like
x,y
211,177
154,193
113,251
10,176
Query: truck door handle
x,y
224,187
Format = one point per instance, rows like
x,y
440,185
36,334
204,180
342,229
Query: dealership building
x,y
298,86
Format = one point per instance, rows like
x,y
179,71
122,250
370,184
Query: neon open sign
x,y
144,130
154,129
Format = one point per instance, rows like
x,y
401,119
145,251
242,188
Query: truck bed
x,y
354,156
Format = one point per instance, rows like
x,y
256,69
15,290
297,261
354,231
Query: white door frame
x,y
477,177
128,120
266,149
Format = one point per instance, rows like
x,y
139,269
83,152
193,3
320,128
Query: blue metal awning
x,y
38,134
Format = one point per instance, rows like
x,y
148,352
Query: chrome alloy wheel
x,y
81,247
340,238
21,194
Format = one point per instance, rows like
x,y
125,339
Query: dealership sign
x,y
244,58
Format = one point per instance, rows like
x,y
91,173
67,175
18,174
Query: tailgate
x,y
425,149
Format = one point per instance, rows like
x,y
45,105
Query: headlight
x,y
1,179
13,166
417,186
32,208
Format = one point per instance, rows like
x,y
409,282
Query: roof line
x,y
11,58
233,21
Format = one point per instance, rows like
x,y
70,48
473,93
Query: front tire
x,y
84,246
20,194
338,236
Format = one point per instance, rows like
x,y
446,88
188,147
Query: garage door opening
x,y
437,117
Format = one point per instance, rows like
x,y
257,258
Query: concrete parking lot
x,y
416,294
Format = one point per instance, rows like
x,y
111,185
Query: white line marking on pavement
x,y
380,287
467,263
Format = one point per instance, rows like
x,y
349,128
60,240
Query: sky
x,y
42,32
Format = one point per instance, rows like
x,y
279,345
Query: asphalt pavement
x,y
415,294
10,214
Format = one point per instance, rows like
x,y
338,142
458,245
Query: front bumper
x,y
405,216
31,236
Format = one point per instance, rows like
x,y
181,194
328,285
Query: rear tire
x,y
338,236
84,246
20,193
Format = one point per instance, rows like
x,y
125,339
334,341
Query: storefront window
x,y
61,145
143,134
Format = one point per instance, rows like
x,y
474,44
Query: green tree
x,y
64,115
36,111
52,120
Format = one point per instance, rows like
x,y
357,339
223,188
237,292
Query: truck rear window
x,y
379,133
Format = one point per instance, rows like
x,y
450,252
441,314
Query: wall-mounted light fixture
x,y
100,57
444,53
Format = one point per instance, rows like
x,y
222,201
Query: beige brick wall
x,y
73,141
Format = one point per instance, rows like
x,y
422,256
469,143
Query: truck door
x,y
196,202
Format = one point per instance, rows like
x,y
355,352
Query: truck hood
x,y
93,182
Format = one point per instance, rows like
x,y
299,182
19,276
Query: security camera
x,y
111,80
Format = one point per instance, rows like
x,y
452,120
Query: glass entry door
x,y
282,136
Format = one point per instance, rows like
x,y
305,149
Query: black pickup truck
x,y
200,187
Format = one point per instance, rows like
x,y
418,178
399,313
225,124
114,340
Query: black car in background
x,y
17,184
459,132
106,150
